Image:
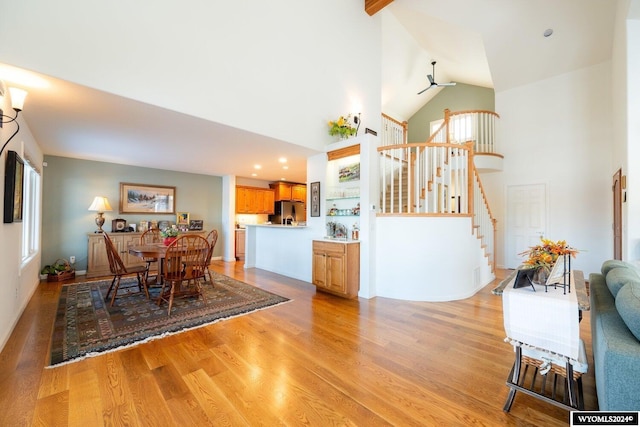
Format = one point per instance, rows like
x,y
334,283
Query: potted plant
x,y
58,271
542,257
343,127
169,235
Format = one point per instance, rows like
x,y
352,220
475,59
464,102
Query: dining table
x,y
151,250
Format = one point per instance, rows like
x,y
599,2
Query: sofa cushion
x,y
618,277
611,264
628,305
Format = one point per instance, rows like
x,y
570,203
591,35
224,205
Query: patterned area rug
x,y
86,326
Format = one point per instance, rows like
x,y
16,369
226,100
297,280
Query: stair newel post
x,y
470,177
447,116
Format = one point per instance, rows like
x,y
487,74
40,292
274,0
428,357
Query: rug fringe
x,y
157,337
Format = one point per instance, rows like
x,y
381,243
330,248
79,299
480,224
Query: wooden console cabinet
x,y
97,260
336,267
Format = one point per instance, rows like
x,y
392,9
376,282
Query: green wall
x,y
456,98
69,186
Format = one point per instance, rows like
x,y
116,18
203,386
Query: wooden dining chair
x,y
184,267
150,236
118,269
212,238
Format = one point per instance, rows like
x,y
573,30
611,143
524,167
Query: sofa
x,y
615,333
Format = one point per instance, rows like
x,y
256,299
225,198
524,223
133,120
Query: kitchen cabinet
x,y
336,267
286,191
299,192
97,260
254,200
240,244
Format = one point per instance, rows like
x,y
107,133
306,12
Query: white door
x,y
526,220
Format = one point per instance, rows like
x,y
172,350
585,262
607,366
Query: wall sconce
x,y
101,205
17,102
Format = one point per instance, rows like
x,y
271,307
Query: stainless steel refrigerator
x,y
285,212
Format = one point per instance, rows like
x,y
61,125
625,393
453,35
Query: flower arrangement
x,y
342,127
546,253
169,232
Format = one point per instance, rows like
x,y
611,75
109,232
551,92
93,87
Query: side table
x,y
543,329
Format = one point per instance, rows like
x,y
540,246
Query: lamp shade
x,y
17,98
100,204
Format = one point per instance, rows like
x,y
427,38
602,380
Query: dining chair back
x,y
150,236
118,269
212,239
184,267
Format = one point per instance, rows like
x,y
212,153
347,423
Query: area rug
x,y
86,326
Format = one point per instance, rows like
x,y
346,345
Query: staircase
x,y
437,178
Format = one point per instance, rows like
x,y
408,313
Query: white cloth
x,y
546,320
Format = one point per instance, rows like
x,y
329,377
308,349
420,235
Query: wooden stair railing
x,y
438,177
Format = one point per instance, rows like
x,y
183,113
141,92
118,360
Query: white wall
x,y
630,125
428,259
18,282
236,63
559,132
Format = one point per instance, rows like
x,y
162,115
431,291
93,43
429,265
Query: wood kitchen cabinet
x,y
336,267
254,200
240,244
286,191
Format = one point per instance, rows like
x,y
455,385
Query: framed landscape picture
x,y
147,198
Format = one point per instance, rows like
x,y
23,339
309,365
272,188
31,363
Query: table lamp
x,y
101,205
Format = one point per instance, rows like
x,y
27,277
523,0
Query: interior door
x,y
617,215
526,220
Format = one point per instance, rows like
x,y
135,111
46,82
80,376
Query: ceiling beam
x,y
374,6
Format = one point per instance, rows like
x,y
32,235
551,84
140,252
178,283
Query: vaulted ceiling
x,y
489,43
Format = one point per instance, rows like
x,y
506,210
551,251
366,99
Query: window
x,y
461,128
31,213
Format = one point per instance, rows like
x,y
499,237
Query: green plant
x,y
170,232
342,127
59,266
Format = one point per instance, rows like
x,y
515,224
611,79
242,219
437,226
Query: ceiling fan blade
x,y
424,90
430,77
446,84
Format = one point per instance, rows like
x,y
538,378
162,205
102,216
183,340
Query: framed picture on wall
x,y
13,184
315,198
147,198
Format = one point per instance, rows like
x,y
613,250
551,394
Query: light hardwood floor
x,y
318,360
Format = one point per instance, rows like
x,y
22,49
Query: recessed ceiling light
x,y
285,167
257,166
283,179
547,32
254,174
282,160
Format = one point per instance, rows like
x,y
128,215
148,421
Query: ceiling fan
x,y
432,82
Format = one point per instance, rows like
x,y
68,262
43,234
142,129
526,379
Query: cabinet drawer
x,y
339,248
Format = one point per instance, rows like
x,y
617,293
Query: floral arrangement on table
x,y
546,253
342,127
169,232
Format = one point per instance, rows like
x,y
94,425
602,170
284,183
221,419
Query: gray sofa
x,y
615,330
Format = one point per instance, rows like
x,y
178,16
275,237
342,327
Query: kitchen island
x,y
282,249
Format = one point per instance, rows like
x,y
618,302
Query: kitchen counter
x,y
273,247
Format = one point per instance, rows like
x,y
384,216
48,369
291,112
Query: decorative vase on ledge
x,y
168,240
